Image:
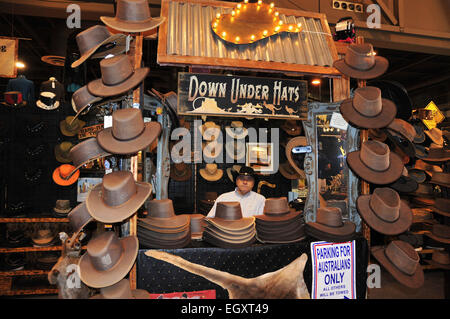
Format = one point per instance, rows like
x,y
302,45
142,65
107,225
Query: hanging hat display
x,y
63,177
62,151
70,126
211,173
85,152
82,100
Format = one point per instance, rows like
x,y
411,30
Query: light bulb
x,y
217,15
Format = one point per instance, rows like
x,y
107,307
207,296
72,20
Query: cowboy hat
x,y
401,261
360,62
162,215
85,152
429,169
14,99
377,134
107,259
229,217
42,238
79,217
384,211
82,100
420,151
437,154
128,134
417,174
435,135
441,179
276,210
70,126
209,129
211,173
289,172
440,233
440,259
117,197
329,222
62,207
420,134
232,171
62,150
47,101
291,127
442,206
180,172
405,184
121,290
375,163
367,109
197,226
63,176
118,77
98,42
236,130
424,190
295,142
132,16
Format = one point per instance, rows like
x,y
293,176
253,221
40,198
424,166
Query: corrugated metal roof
x,y
189,34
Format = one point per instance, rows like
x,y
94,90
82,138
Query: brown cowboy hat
x,y
70,126
440,233
213,240
229,217
62,151
79,217
211,173
420,134
405,184
329,221
118,77
437,154
442,206
384,211
441,178
417,174
121,290
429,169
424,190
128,134
162,215
132,16
277,209
435,135
117,197
289,172
367,109
291,127
107,259
92,39
440,259
85,152
399,127
81,100
62,175
377,134
360,62
401,261
375,163
197,226
62,206
283,236
180,172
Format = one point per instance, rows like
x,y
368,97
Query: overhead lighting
x,y
20,65
316,82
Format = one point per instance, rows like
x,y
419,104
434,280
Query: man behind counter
x,y
251,202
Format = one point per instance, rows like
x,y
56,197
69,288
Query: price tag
x,y
107,121
337,121
147,119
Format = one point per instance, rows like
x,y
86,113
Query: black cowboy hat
x,y
245,171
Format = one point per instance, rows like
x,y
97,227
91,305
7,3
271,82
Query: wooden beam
x,y
387,11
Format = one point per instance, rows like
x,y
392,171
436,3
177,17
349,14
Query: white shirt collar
x,y
239,194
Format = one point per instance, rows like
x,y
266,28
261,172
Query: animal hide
x,y
285,283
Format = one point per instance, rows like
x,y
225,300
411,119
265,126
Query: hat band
x,y
119,82
106,47
129,138
47,100
400,259
382,211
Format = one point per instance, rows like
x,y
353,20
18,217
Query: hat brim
x,y
98,88
100,279
115,214
439,211
405,184
402,224
165,244
383,119
101,155
380,67
347,228
279,217
315,233
437,238
46,107
211,178
437,265
129,26
107,141
64,182
230,237
117,49
414,281
152,235
229,233
135,294
76,223
390,175
231,225
223,244
420,151
173,224
83,108
402,143
66,131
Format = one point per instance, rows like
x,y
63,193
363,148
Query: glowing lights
x,y
316,82
20,65
259,2
224,34
265,32
239,6
218,16
237,39
252,37
272,4
233,13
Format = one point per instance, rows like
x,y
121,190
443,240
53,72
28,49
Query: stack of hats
x,y
13,262
162,228
62,208
330,226
16,238
46,260
197,226
228,229
279,224
207,202
43,238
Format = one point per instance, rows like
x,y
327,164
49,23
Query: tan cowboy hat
x,y
384,211
209,129
62,151
71,126
98,42
229,217
82,100
367,109
435,135
107,259
79,217
360,62
289,172
329,221
276,210
128,134
132,16
375,163
117,197
121,290
85,152
180,172
211,173
236,130
118,77
47,101
440,259
401,261
291,127
442,206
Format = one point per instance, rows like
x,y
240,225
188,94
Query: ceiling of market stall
x,y
425,75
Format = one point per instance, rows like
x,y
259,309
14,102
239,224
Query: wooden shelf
x,y
30,249
49,291
33,220
23,273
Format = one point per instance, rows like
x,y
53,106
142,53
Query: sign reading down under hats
x,y
333,270
222,95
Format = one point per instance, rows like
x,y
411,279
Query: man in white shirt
x,y
251,202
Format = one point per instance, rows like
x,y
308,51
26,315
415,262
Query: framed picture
x,y
259,156
85,184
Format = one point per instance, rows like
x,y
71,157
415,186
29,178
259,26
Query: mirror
x,y
330,181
